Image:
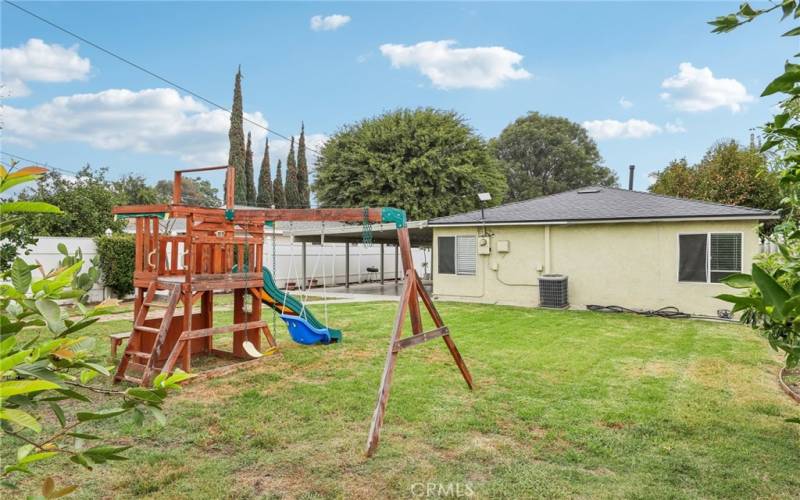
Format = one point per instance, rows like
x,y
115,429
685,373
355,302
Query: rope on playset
x,y
366,229
274,266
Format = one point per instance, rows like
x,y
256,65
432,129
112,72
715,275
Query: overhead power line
x,y
149,72
37,163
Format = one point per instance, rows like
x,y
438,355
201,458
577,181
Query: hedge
x,y
117,253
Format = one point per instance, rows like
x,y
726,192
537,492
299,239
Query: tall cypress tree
x,y
277,188
264,198
302,169
236,152
248,172
292,193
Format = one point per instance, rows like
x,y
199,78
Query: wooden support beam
x,y
420,338
237,327
323,214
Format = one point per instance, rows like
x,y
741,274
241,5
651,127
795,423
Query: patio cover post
x,y
347,265
396,266
303,286
381,263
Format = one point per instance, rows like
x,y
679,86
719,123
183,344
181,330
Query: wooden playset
x,y
222,250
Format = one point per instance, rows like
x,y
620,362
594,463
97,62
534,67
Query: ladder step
x,y
147,329
158,300
138,354
133,380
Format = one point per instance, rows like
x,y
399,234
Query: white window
x,y
456,255
466,251
708,257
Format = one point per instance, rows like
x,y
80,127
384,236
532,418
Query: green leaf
x,y
59,413
20,275
33,207
52,315
792,32
62,248
35,457
144,394
13,387
774,294
20,418
84,416
9,362
783,83
738,280
81,460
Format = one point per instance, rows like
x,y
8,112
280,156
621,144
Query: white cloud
x,y
329,23
626,104
615,129
37,61
454,68
157,121
675,127
696,89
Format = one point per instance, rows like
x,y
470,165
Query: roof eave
x,y
756,217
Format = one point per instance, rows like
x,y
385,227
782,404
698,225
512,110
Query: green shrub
x,y
117,254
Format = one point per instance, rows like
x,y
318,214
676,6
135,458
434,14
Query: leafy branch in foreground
x,y
772,301
44,365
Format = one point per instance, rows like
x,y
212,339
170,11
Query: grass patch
x,y
567,403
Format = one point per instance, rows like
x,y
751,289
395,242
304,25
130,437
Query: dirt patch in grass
x,y
638,368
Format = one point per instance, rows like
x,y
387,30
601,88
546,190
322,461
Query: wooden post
x,y
177,187
347,265
381,263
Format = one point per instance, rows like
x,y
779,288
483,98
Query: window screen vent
x,y
553,291
466,251
726,255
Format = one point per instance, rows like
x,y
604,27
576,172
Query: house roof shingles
x,y
601,204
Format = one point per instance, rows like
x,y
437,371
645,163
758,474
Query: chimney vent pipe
x,y
631,168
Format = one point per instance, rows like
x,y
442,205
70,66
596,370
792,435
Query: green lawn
x,y
567,404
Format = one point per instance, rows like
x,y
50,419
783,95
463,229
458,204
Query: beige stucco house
x,y
616,247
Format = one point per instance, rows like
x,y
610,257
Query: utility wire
x,y
38,163
151,73
45,164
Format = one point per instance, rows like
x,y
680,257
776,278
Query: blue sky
x,y
608,65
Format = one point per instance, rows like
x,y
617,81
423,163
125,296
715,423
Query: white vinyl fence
x,y
323,263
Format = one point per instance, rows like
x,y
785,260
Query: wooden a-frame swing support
x,y
412,292
207,250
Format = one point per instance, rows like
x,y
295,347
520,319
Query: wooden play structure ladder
x,y
140,330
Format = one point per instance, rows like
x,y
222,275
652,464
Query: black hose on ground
x,y
665,312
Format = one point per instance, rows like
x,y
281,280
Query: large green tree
x,y
134,190
194,191
302,169
236,151
248,172
426,161
86,200
264,197
549,154
292,189
728,173
277,188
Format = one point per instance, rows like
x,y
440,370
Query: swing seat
x,y
304,333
